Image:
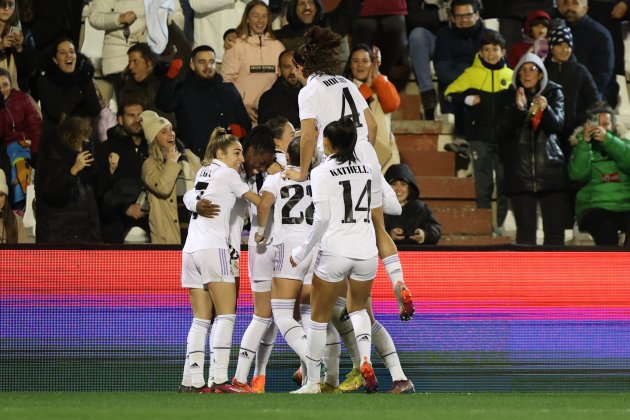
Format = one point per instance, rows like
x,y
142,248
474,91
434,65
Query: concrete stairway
x,y
452,200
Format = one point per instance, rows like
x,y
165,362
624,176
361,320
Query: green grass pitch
x,y
434,406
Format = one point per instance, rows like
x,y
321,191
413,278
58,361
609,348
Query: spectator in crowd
x,y
67,210
202,101
126,23
143,77
512,14
600,162
535,33
20,130
17,48
11,226
593,47
535,167
282,98
213,19
19,116
302,14
455,50
363,69
416,224
382,23
611,14
168,173
484,89
580,92
66,86
424,21
120,188
251,62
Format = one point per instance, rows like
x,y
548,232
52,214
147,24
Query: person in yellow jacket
x,y
483,88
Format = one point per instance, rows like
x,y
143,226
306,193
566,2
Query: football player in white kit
x,y
260,335
343,196
206,268
327,97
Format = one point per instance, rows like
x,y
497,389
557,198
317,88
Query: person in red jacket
x,y
536,31
19,118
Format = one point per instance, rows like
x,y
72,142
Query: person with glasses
x,y
535,167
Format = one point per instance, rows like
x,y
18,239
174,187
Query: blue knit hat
x,y
560,34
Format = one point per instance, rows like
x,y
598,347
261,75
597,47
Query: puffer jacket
x,y
415,213
104,16
67,210
491,83
252,65
604,171
533,159
19,117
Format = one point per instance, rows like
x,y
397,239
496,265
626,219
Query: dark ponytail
x,y
342,135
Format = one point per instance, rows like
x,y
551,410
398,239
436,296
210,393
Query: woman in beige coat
x,y
168,173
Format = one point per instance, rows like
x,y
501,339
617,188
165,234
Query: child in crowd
x,y
416,224
483,87
535,34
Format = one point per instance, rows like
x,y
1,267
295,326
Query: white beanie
x,y
152,123
4,188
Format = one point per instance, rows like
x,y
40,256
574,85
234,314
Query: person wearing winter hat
x,y
535,169
535,39
11,227
580,91
168,173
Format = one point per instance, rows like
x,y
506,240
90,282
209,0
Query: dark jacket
x,y
532,158
339,20
147,90
66,208
580,93
200,106
25,61
415,214
424,15
70,94
280,100
594,48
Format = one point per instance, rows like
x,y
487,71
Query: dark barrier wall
x,y
486,321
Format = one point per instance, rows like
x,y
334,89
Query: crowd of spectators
x,y
177,70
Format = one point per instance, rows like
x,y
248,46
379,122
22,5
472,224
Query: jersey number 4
x,y
348,204
347,97
298,195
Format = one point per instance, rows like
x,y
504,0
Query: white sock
x,y
264,350
221,346
195,353
249,346
363,333
305,315
346,332
316,344
291,330
213,331
393,268
331,356
387,350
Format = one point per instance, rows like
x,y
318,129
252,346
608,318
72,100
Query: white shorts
x,y
282,268
235,259
315,257
260,266
335,268
366,153
205,266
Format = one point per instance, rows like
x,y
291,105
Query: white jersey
x,y
347,188
293,210
222,186
253,210
328,98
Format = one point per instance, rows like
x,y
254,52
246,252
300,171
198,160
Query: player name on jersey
x,y
347,170
333,81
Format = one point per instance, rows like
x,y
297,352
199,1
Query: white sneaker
x,y
308,389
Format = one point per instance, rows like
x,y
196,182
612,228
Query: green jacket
x,y
604,169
